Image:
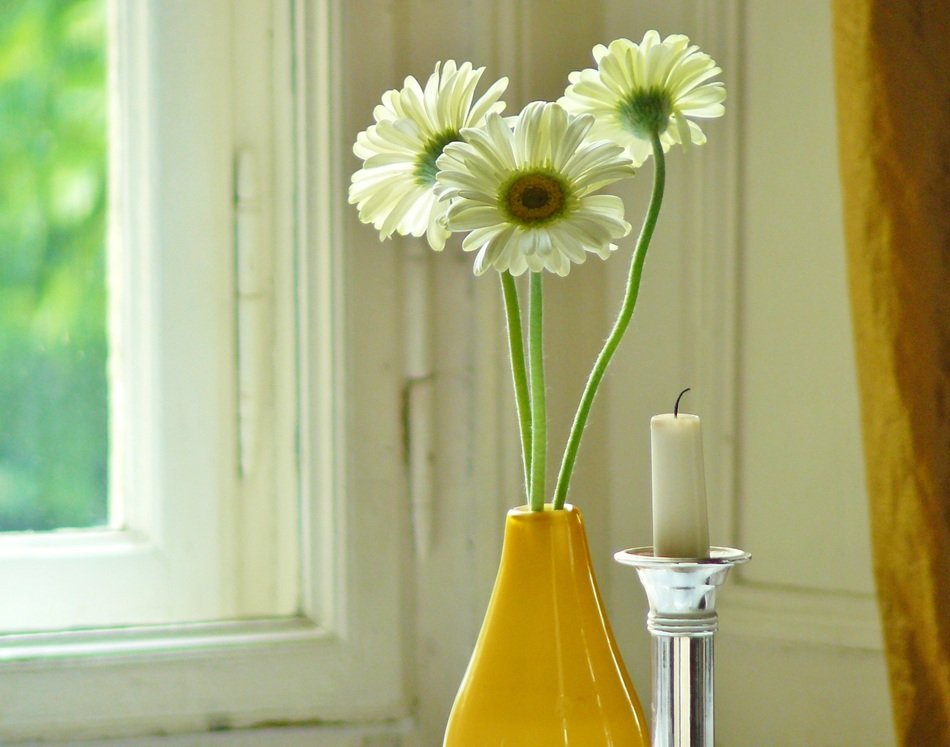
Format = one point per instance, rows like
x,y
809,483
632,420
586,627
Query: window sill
x,y
382,734
195,679
170,641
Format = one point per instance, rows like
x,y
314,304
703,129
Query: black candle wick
x,y
676,407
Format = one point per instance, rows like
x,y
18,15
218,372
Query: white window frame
x,y
336,657
163,558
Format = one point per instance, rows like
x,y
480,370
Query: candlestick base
x,y
682,622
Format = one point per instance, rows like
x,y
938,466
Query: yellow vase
x,y
546,670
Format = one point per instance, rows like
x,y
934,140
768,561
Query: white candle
x,y
680,524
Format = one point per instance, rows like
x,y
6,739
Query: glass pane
x,y
53,345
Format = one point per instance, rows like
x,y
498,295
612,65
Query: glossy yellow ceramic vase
x,y
546,670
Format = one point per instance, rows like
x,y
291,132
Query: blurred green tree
x,y
53,341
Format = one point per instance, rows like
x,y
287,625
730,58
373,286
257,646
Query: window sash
x,y
170,356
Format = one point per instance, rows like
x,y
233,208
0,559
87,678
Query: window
x,y
172,533
228,580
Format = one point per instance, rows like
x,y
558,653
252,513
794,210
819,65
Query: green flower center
x,y
426,169
644,112
534,198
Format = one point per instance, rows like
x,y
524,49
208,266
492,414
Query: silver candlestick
x,y
682,622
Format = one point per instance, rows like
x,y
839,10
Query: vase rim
x,y
525,510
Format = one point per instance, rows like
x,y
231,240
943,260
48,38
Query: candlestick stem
x,y
682,622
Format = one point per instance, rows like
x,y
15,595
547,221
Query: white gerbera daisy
x,y
395,188
524,191
639,89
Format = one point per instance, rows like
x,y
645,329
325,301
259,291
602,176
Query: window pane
x,y
53,344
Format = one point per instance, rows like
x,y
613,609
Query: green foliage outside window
x,y
53,345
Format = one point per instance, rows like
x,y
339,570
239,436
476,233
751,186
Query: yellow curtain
x,y
892,66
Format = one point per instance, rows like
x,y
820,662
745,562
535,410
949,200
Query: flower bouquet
x,y
526,193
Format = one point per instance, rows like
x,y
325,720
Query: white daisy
x,y
395,188
649,87
523,191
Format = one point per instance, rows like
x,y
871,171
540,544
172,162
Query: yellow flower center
x,y
534,198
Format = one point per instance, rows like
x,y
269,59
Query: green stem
x,y
518,371
538,410
620,326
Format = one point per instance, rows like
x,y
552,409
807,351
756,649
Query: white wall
x,y
743,299
767,343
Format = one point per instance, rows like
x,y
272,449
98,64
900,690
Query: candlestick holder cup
x,y
682,622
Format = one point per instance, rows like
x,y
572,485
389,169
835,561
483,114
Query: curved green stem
x,y
620,326
539,439
518,371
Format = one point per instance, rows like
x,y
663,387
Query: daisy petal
x,y
395,190
646,89
521,190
